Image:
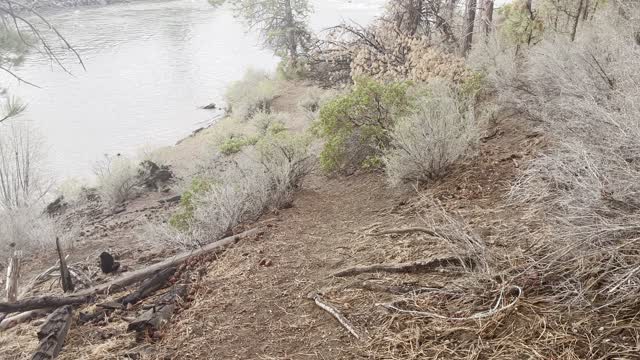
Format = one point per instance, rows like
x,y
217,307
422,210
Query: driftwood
x,y
161,312
52,333
65,275
149,286
43,302
335,313
12,321
410,267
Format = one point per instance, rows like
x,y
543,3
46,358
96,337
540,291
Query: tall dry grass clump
x,y
426,143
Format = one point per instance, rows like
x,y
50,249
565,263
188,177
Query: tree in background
x,y
281,23
24,30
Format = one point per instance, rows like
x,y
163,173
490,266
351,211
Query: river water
x,y
150,65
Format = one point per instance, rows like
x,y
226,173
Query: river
x,y
150,65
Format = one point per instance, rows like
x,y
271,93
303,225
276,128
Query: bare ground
x,y
252,302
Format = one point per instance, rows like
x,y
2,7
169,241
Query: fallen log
x,y
12,321
52,334
87,295
141,274
43,302
149,286
410,267
161,312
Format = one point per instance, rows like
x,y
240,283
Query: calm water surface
x,y
149,66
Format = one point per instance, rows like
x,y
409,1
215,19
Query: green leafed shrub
x,y
254,93
234,144
356,125
182,219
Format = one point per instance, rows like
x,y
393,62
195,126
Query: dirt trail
x,y
253,303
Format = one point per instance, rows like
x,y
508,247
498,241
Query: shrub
x,y
258,179
286,160
427,142
182,219
255,92
356,125
270,122
234,144
29,230
117,179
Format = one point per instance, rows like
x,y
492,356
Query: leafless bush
x,y
22,175
28,230
117,179
428,142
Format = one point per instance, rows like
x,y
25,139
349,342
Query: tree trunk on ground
x,y
43,302
469,21
52,334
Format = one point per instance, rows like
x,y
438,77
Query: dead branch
x,y
52,333
410,267
161,312
12,321
335,313
65,275
43,302
498,307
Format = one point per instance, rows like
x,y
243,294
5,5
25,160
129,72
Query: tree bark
x,y
469,22
149,286
52,334
291,34
160,314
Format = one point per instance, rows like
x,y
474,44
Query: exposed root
x,y
419,266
